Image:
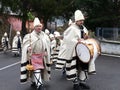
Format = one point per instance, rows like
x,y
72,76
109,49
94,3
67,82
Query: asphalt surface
x,y
107,77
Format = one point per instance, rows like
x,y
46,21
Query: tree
x,y
101,13
44,9
97,12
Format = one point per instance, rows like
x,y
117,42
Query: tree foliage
x,y
98,13
101,13
44,9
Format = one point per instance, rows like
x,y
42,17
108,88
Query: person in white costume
x,y
36,43
76,70
5,42
53,47
47,32
58,42
17,44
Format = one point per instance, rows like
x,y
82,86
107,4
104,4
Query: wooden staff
x,y
29,66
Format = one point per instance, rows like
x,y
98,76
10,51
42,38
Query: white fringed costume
x,y
38,43
5,42
67,54
16,45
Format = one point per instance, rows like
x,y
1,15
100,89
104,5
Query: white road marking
x,y
9,66
19,62
111,55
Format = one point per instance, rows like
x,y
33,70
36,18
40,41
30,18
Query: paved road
x,y
107,77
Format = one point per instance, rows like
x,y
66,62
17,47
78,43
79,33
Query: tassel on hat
x,y
70,22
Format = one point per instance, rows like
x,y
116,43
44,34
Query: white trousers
x,y
83,76
37,77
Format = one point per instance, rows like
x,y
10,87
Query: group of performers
x,y
39,49
16,43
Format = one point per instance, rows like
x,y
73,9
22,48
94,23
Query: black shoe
x,y
84,86
41,87
15,55
76,86
33,84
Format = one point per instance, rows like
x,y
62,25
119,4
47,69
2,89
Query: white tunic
x,y
67,53
15,44
38,43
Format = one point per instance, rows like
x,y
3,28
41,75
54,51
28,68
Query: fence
x,y
112,34
109,40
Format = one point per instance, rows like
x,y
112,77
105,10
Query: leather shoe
x,y
84,86
76,86
33,84
41,87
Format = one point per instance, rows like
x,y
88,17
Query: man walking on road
x,y
36,52
75,69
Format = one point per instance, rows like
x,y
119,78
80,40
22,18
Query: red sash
x,y
37,61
